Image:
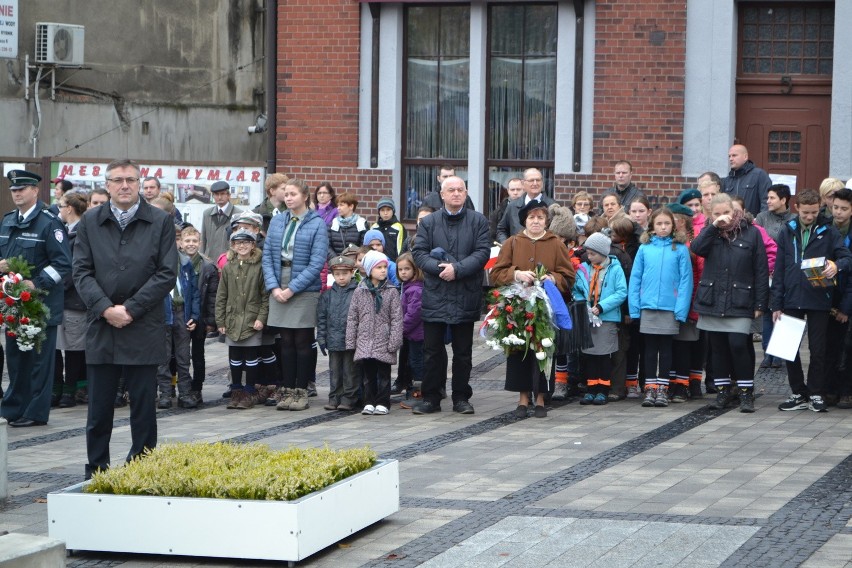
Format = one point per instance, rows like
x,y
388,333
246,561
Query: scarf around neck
x,y
732,229
376,291
347,222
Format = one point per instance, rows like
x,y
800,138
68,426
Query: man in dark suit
x,y
125,263
510,224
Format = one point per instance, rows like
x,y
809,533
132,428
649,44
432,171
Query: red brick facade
x,y
318,82
640,53
639,88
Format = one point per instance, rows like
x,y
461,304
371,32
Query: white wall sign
x,y
8,29
190,184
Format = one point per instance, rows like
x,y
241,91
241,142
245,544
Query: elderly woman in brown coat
x,y
518,258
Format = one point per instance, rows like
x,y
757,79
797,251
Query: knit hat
x,y
386,202
689,195
372,235
243,235
679,209
599,243
371,259
562,223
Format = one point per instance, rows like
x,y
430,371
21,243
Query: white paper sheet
x,y
786,337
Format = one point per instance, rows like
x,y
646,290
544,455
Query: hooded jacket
x,y
735,280
751,183
374,335
613,289
242,297
464,238
661,278
332,311
790,286
310,245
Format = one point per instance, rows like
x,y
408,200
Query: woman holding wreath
x,y
517,261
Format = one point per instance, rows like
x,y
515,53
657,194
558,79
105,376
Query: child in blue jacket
x,y
604,287
660,292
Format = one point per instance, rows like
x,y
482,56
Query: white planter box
x,y
225,528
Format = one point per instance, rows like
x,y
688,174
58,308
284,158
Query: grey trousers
x,y
178,343
343,376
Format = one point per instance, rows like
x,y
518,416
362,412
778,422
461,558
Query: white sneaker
x,y
369,409
380,409
633,391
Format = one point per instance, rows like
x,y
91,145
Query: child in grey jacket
x,y
374,331
332,314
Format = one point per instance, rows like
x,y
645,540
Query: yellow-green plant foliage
x,y
231,471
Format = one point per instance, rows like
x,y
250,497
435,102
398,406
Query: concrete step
x,y
19,550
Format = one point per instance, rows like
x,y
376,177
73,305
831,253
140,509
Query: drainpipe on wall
x,y
270,82
579,13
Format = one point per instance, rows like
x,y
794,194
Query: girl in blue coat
x,y
660,293
604,287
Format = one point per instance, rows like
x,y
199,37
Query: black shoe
x,y
67,401
26,423
398,387
540,412
165,401
463,407
747,400
520,412
120,401
54,400
425,407
81,396
723,397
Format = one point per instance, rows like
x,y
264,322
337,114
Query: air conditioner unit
x,y
59,44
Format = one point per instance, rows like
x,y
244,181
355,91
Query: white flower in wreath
x,y
546,342
541,355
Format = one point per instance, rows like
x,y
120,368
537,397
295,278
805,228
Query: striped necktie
x,y
123,218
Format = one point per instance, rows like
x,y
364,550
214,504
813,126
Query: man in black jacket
x,y
624,188
810,235
125,263
451,247
746,180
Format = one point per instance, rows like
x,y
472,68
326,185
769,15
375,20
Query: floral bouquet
x,y
520,318
24,315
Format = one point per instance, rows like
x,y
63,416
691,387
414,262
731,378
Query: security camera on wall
x,y
259,125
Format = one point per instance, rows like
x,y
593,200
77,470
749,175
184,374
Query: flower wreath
x,y
520,318
24,315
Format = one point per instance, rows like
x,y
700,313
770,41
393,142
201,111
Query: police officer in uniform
x,y
37,235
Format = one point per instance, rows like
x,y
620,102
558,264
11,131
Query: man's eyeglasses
x,y
122,181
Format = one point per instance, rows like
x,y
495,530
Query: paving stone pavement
x,y
610,486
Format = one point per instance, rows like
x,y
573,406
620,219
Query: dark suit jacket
x,y
136,268
510,224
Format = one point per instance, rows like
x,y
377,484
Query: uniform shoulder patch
x,y
59,235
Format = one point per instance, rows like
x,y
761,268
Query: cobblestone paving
x,y
617,485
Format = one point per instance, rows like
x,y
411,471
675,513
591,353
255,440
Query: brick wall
x,y
640,53
639,86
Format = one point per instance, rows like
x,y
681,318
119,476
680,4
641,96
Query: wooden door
x,y
787,134
784,69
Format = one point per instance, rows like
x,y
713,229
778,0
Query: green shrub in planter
x,y
231,471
